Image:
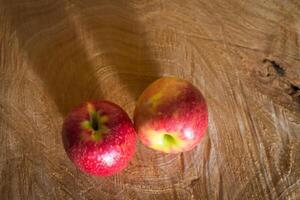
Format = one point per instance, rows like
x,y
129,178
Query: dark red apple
x,y
171,115
99,138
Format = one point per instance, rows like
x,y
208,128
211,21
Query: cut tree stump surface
x,y
243,55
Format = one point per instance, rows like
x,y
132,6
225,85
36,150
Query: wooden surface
x,y
243,55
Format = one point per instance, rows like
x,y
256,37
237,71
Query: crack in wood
x,y
294,91
279,70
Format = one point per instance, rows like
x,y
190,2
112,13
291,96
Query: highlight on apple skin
x,y
171,115
99,138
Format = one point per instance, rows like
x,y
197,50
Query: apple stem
x,y
169,140
95,121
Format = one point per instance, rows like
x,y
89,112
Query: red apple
x,y
171,115
99,137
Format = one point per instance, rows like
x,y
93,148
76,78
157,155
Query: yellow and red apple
x,y
171,115
99,137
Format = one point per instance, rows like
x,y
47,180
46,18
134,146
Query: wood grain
x,y
243,55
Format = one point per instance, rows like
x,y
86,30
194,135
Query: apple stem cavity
x,y
169,140
96,125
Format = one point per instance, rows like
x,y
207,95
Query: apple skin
x,y
171,115
99,138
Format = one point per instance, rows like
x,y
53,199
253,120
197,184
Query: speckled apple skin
x,y
107,156
171,106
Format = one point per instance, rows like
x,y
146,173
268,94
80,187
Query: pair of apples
x,y
170,116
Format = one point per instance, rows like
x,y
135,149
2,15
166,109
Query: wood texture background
x,y
243,55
